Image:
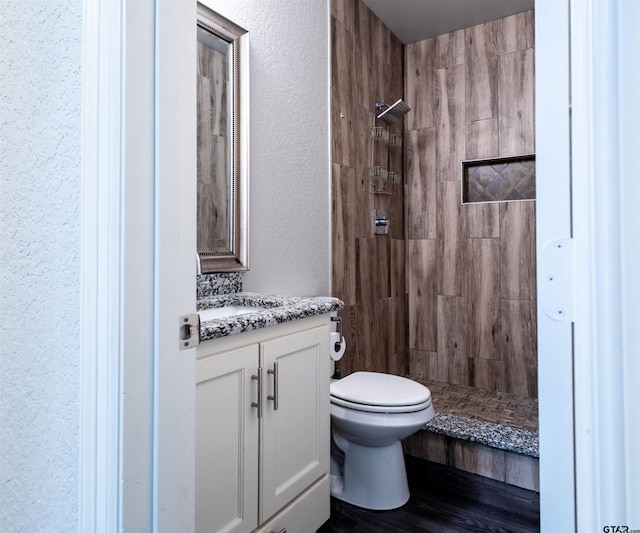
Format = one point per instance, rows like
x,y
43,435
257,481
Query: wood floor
x,y
444,500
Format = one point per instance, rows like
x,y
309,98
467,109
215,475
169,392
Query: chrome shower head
x,y
392,112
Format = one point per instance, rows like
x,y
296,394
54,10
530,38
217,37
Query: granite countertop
x,y
277,309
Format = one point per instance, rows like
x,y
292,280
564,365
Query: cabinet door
x,y
295,438
227,442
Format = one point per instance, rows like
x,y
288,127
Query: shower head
x,y
393,112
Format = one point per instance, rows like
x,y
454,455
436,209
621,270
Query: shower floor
x,y
482,432
509,410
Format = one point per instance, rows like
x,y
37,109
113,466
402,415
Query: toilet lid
x,y
382,390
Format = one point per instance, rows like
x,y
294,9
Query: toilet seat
x,y
375,392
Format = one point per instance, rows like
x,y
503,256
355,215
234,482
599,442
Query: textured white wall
x,y
290,158
40,51
40,46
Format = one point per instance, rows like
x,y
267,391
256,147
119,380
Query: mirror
x,y
223,141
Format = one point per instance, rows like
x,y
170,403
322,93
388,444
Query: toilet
x,y
370,413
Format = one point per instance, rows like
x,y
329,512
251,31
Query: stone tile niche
x,y
500,179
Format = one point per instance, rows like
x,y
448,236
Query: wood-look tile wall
x,y
450,293
368,270
470,267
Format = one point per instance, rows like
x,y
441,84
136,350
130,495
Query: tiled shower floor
x,y
496,407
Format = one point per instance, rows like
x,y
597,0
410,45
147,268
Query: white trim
x,y
99,505
605,113
553,225
582,165
138,270
588,437
628,91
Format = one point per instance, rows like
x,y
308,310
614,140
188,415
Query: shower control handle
x,y
380,222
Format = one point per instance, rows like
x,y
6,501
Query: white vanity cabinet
x,y
270,473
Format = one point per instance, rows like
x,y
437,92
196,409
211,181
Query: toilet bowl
x,y
370,413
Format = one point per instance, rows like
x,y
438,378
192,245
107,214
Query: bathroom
x,y
448,296
466,333
70,442
405,312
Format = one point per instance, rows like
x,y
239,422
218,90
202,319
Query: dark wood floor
x,y
444,500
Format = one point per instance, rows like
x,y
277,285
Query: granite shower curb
x,y
489,434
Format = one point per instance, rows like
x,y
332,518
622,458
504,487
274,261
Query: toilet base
x,y
372,478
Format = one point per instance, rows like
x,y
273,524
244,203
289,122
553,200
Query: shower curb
x,y
487,433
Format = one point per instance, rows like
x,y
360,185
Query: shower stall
x,y
447,296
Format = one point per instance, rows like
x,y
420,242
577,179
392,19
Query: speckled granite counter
x,y
487,433
217,283
278,309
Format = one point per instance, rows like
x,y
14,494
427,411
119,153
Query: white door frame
x,y
554,266
588,231
605,81
138,269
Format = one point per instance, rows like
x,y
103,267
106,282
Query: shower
x,y
392,112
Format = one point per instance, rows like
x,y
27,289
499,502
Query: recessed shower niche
x,y
499,179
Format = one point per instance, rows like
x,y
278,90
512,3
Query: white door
x,y
175,269
138,267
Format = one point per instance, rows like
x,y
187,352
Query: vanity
x,y
262,413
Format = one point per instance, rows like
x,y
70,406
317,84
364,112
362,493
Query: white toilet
x,y
370,413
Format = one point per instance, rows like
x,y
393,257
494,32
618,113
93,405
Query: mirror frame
x,y
238,39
